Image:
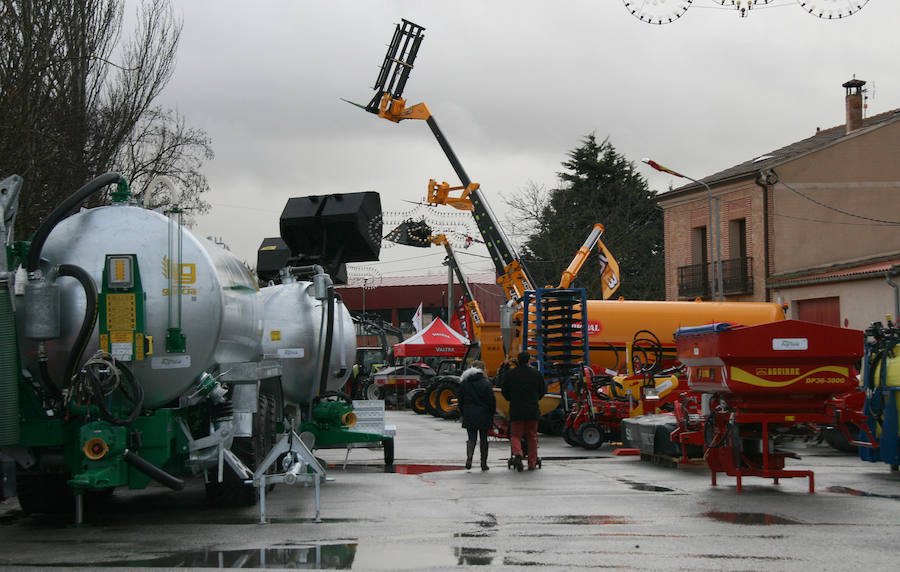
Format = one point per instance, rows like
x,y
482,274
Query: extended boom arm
x,y
389,104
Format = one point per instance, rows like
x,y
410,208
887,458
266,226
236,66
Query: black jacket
x,y
476,400
523,386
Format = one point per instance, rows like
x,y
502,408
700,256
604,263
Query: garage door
x,y
820,310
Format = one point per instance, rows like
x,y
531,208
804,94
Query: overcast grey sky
x,y
514,84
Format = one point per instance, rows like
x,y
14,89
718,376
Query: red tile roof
x,y
855,272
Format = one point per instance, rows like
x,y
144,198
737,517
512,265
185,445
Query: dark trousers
x,y
528,429
474,434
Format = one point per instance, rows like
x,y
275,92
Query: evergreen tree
x,y
600,185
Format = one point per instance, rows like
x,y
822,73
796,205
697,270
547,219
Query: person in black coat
x,y
523,387
476,403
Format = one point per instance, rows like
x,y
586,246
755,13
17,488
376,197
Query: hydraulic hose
x,y
329,333
152,471
90,317
62,211
130,389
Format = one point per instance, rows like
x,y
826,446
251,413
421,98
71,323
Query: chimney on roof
x,y
854,103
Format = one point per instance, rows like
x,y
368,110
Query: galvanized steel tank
x,y
293,322
221,316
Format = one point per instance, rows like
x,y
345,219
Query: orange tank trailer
x,y
614,324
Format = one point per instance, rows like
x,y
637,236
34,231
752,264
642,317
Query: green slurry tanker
x,y
132,351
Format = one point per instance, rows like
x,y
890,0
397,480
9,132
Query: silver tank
x,y
221,315
293,320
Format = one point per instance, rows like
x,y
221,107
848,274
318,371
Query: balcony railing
x,y
737,275
737,278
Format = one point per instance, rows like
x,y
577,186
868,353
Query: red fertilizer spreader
x,y
760,382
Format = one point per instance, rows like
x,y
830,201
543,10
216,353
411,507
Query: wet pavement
x,y
582,510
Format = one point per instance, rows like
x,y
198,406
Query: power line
x,y
869,224
835,209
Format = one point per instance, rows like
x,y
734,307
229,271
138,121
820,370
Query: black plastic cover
x,y
333,229
271,257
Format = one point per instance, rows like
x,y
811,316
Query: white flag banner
x,y
417,319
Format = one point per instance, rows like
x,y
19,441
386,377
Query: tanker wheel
x,y
590,435
446,393
44,492
571,437
419,402
232,492
388,445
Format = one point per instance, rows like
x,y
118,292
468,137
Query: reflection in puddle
x,y
749,518
474,556
399,468
333,556
858,493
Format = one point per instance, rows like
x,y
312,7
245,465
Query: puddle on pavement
x,y
645,487
749,518
858,493
337,556
587,519
740,557
334,556
399,468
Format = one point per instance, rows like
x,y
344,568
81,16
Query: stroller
x,y
500,430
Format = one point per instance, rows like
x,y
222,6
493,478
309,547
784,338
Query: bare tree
x,y
68,112
162,145
525,214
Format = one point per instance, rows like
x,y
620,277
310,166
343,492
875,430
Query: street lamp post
x,y
718,292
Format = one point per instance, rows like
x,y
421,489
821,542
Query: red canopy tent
x,y
436,339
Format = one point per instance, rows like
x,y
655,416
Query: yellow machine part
x,y
632,385
892,380
488,334
547,403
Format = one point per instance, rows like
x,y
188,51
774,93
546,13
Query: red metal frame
x,y
765,380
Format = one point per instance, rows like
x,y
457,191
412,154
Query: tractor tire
x,y
571,437
431,402
418,402
590,435
837,440
373,392
446,395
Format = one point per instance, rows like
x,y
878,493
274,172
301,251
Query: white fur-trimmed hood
x,y
471,372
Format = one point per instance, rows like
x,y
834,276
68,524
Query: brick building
x,y
814,224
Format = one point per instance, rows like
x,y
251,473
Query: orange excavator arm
x,y
610,268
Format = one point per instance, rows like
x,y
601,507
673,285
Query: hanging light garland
x,y
667,11
657,11
831,9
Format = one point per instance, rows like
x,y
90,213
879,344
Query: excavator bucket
x,y
398,62
333,229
